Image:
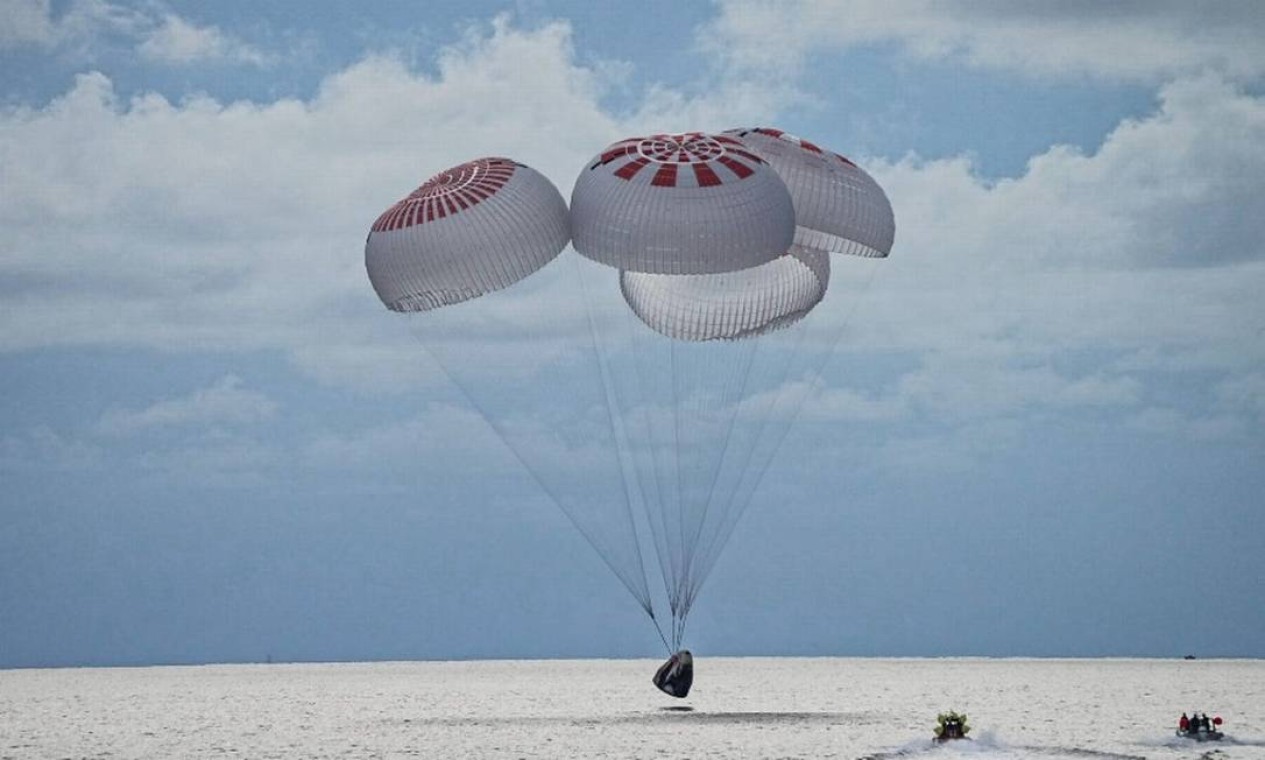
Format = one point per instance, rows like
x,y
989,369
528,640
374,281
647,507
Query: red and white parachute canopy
x,y
467,231
680,204
839,208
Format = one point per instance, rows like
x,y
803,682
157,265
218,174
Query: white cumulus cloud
x,y
209,226
226,402
175,40
1136,40
84,25
25,22
200,225
44,448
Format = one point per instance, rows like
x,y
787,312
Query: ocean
x,y
739,708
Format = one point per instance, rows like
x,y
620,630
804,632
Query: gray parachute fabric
x,y
470,230
839,208
729,305
680,204
676,676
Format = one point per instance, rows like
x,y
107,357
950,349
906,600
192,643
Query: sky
x,y
1041,433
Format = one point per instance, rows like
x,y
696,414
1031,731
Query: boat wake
x,y
988,744
1243,741
1208,748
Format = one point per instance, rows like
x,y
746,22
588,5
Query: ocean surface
x,y
740,708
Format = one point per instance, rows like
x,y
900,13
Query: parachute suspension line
x,y
738,497
680,493
870,277
618,434
697,416
648,448
696,575
708,533
661,465
796,405
659,629
680,464
642,596
717,414
702,413
655,448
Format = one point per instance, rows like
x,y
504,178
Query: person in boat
x,y
1183,724
950,725
676,676
1205,725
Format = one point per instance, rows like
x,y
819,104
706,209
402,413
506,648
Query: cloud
x,y
176,40
1244,394
965,385
44,448
1177,188
1175,423
81,27
206,442
441,434
1149,244
957,449
848,404
85,25
224,403
207,226
25,22
1146,42
233,461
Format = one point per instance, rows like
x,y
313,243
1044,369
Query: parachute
x,y
838,207
474,229
648,380
683,204
728,307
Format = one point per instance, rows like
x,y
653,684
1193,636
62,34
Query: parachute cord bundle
x,y
780,416
636,584
708,494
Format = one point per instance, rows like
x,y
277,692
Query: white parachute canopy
x,y
729,305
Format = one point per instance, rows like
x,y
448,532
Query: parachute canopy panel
x,y
730,305
680,204
467,231
839,208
